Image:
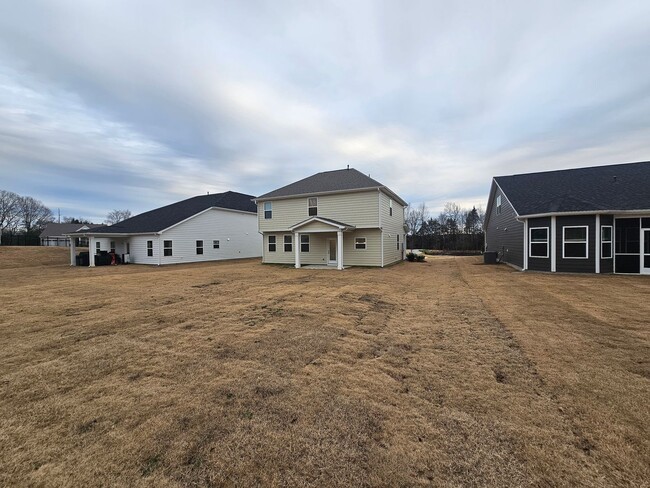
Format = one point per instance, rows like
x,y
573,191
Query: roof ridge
x,y
582,168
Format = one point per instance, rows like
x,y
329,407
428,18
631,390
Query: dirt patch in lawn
x,y
241,374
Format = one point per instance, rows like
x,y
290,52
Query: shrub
x,y
411,256
420,258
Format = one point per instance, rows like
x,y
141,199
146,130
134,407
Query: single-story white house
x,y
203,228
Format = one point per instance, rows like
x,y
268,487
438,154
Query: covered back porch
x,y
320,236
102,250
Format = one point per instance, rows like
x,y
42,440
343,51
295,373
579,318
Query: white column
x,y
339,248
91,251
597,243
296,246
553,243
73,251
525,244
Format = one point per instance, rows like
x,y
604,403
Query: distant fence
x,y
19,240
448,242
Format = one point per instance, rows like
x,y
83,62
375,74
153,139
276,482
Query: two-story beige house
x,y
335,218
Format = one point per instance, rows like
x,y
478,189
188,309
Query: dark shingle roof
x,y
54,229
614,187
164,217
327,181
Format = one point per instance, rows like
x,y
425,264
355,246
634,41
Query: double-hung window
x,y
288,247
272,243
167,248
304,243
390,207
98,246
199,247
538,242
313,206
215,244
360,243
398,242
498,204
150,248
113,246
606,242
268,210
575,241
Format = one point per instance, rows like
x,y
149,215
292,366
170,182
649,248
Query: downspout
x,y
525,244
381,230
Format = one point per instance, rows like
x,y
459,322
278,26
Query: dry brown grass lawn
x,y
445,373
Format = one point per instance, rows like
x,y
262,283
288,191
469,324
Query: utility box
x,y
490,257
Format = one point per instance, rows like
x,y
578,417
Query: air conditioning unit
x,y
127,258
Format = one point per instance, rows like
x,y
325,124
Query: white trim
x,y
339,249
553,244
264,211
330,261
284,249
530,242
586,242
322,220
525,245
590,212
597,248
642,268
268,242
296,249
202,212
488,210
309,206
381,245
308,242
365,243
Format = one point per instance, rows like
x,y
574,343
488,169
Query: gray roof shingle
x,y
54,229
327,181
614,187
164,217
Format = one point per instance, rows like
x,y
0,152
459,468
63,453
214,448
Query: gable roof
x,y
329,182
164,217
315,218
54,229
598,188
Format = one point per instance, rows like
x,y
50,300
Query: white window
x,y
149,248
575,242
390,207
304,243
268,210
288,243
113,246
215,244
360,243
313,206
498,204
538,242
128,248
272,244
98,246
606,241
398,242
167,248
199,247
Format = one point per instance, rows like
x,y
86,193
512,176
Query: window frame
x,y
128,247
364,243
565,242
168,249
499,207
274,243
304,246
285,243
610,242
398,242
310,207
268,210
150,249
530,242
112,247
98,247
390,207
199,247
216,244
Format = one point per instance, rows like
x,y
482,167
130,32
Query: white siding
x,y
236,232
138,246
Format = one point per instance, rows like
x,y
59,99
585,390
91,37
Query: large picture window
x,y
268,210
538,242
606,242
575,241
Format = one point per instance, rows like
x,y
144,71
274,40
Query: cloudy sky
x,y
134,104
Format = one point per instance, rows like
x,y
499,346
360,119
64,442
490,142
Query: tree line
x,y
454,229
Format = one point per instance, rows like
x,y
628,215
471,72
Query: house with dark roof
x,y
56,234
335,218
203,228
584,220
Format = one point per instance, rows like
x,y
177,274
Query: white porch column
x,y
525,244
597,256
73,251
91,251
553,243
296,246
339,248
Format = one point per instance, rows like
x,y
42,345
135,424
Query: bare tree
x,y
116,216
416,217
9,210
33,214
75,220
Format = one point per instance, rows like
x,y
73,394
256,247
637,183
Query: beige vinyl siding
x,y
354,208
392,225
316,255
371,256
316,227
